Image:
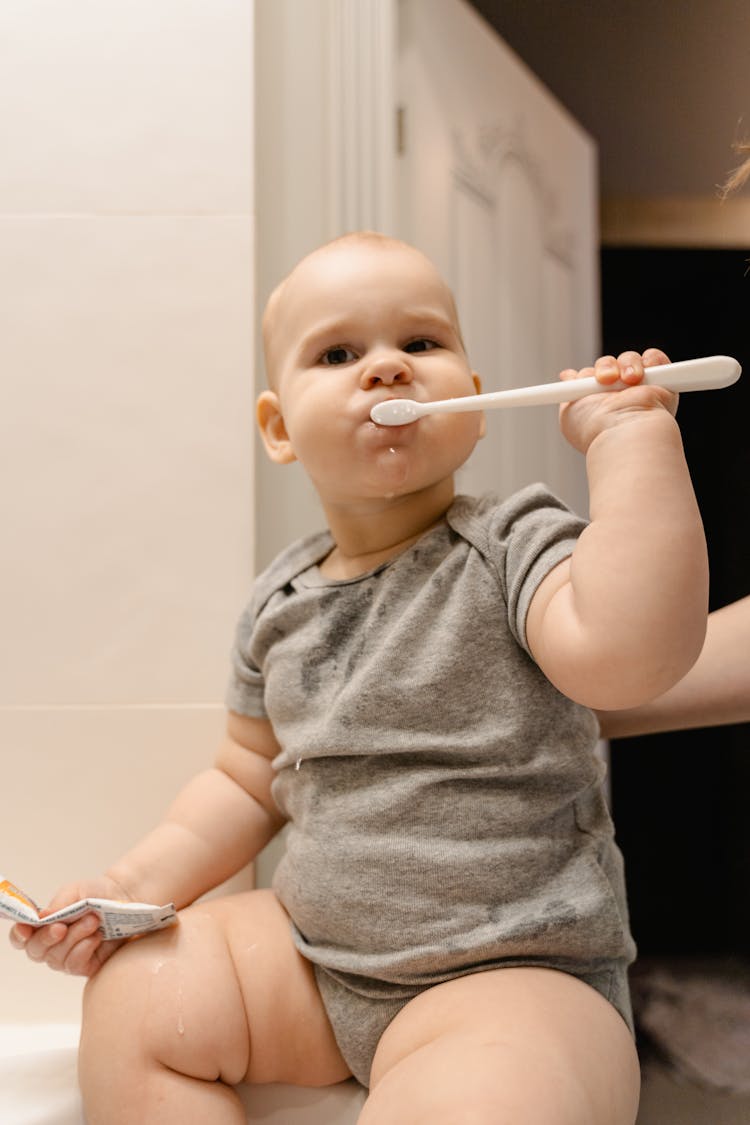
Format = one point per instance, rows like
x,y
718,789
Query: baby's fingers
x,y
630,367
37,943
66,948
20,934
89,955
626,368
85,956
74,952
655,357
572,373
608,370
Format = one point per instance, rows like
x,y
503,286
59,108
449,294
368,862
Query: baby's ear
x,y
272,429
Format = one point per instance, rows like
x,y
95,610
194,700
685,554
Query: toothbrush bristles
x,y
394,412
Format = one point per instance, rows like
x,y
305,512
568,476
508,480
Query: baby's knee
x,y
169,1000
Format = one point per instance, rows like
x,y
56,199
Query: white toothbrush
x,y
706,374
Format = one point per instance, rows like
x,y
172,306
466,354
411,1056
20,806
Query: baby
x,y
412,693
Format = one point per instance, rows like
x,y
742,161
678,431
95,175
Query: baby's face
x,y
357,323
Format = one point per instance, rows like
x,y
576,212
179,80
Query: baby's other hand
x,y
77,948
583,420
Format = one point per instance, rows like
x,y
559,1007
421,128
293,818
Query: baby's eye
x,y
331,357
421,345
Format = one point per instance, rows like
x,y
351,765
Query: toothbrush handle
x,y
705,374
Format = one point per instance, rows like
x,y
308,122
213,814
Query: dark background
x,y
680,800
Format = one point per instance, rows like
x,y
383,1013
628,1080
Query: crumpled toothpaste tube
x,y
116,919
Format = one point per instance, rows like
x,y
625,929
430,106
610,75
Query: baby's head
x,y
363,318
358,251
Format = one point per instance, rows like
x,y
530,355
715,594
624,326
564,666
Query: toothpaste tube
x,y
116,919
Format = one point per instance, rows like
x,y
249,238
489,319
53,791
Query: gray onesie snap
x,y
445,802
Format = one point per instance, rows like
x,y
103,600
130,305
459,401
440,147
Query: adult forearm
x,y
715,691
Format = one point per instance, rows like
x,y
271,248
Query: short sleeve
x,y
522,538
542,534
245,691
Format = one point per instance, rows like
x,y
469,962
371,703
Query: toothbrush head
x,y
395,412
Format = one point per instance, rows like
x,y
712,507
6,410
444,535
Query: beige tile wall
x,y
126,276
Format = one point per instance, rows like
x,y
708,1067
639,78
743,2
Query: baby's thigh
x,y
505,1046
223,995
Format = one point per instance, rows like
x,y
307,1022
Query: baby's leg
x,y
503,1047
173,1020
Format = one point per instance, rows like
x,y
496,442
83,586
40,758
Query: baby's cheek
x,y
461,434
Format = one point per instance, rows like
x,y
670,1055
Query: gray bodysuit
x,y
444,799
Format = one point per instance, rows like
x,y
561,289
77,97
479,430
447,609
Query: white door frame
x,y
325,163
362,110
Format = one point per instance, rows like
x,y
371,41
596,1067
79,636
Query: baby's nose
x,y
387,368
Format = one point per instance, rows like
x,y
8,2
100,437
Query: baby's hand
x,y
582,421
78,947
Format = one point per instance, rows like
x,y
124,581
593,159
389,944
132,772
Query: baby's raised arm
x,y
217,824
624,617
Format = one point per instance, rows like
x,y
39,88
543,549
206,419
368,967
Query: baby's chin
x,y
390,471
